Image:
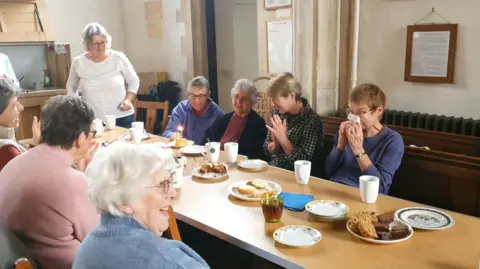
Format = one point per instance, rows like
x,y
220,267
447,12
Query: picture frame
x,y
430,53
279,46
277,4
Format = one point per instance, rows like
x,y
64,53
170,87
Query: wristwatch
x,y
361,155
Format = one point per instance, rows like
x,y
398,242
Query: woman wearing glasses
x,y
367,147
131,186
196,114
100,74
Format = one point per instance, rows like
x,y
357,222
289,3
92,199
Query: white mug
x,y
231,151
369,186
98,127
302,171
136,135
177,179
138,125
213,151
110,122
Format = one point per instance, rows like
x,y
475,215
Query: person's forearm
x,y
364,162
272,147
130,97
286,146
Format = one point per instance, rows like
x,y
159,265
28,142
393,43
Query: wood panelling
x,y
447,142
442,179
19,21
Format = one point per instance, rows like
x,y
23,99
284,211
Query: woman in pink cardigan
x,y
42,198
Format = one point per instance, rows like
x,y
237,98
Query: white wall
x,y
227,48
68,18
157,54
382,55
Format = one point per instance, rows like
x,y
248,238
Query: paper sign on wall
x,y
153,10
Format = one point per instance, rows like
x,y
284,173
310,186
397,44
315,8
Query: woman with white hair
x,y
131,186
243,125
100,74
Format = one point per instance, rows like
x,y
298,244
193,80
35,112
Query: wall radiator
x,y
446,124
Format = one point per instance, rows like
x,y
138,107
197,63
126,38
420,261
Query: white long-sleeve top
x,y
103,83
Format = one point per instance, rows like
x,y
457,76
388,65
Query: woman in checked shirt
x,y
296,131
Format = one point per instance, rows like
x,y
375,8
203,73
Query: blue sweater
x,y
385,151
194,126
121,242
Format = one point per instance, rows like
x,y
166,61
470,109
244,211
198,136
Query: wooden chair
x,y
151,115
264,104
172,232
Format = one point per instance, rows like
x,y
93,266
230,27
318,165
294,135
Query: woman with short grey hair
x,y
100,73
131,186
10,110
243,125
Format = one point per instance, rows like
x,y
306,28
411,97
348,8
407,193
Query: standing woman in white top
x,y
101,74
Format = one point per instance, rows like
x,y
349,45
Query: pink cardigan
x,y
44,199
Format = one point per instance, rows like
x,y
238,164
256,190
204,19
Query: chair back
x,y
13,254
172,232
151,115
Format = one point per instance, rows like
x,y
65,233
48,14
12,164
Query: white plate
x,y
253,165
172,144
327,208
425,218
193,150
297,236
208,176
232,189
385,242
145,136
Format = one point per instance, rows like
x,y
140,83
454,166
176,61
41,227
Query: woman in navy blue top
x,y
367,147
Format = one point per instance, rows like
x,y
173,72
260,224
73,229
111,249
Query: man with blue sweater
x,y
196,114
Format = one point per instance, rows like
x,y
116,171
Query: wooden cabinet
x,y
33,103
24,21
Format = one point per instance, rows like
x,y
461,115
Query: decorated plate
x,y
145,136
252,165
425,218
209,175
297,236
193,150
385,242
255,197
327,208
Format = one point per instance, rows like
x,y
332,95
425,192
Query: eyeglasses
x,y
360,114
164,185
93,132
98,44
198,97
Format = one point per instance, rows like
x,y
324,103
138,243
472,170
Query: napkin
x,y
296,201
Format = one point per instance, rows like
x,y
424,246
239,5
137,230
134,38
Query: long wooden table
x,y
208,207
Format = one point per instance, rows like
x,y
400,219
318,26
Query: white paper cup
x,y
138,125
177,180
302,171
110,121
231,151
369,186
136,135
213,151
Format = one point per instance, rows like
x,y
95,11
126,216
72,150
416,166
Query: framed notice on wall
x,y
274,4
279,46
430,53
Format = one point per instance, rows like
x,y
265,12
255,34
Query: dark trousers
x,y
125,122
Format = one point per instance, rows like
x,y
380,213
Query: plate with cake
x,y
210,171
252,190
381,229
180,142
